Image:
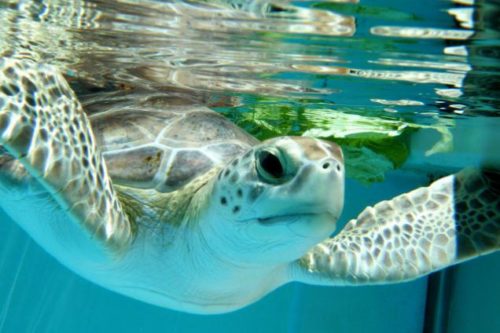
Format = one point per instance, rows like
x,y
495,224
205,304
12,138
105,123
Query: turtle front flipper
x,y
454,219
43,126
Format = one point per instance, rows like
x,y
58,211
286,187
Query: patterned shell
x,y
153,142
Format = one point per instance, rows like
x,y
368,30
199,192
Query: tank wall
x,y
474,304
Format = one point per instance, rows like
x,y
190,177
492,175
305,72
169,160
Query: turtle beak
x,y
319,183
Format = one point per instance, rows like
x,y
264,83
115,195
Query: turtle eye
x,y
270,167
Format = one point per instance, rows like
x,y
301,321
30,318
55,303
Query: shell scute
x,y
184,168
149,143
205,127
137,167
226,151
120,130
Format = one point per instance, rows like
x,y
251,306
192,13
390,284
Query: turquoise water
x,y
406,103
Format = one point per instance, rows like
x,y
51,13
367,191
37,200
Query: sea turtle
x,y
184,210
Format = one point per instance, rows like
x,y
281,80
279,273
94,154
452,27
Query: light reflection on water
x,y
286,49
431,64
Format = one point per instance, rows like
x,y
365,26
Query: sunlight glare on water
x,y
299,49
280,67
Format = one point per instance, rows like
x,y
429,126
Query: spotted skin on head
x,y
264,205
296,160
43,126
454,219
232,197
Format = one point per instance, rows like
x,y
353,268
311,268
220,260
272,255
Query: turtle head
x,y
280,198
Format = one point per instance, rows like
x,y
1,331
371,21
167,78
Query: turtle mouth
x,y
291,218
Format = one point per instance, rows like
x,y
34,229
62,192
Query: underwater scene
x,y
407,89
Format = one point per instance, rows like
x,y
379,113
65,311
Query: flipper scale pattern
x,y
43,125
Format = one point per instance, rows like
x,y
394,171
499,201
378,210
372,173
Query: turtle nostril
x,y
330,165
